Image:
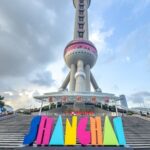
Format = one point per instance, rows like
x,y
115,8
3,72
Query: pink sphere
x,y
80,50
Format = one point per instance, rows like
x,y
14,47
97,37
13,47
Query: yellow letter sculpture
x,y
70,134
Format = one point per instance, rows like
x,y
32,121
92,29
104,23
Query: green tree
x,y
1,101
53,106
1,97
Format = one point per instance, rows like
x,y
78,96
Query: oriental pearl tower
x,y
80,54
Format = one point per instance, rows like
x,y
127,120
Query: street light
x,y
116,100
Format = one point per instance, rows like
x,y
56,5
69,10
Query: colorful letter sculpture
x,y
96,131
83,135
109,134
70,134
43,132
58,133
118,127
30,138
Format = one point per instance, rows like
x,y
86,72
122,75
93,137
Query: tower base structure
x,y
78,101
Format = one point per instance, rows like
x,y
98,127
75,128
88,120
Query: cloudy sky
x,y
33,34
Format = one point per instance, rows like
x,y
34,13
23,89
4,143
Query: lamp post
x,y
116,100
116,108
41,108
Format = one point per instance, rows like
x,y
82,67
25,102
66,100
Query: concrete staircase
x,y
13,129
137,132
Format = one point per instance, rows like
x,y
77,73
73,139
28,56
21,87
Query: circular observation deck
x,y
80,50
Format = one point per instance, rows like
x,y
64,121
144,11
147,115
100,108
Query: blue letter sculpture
x,y
118,126
31,136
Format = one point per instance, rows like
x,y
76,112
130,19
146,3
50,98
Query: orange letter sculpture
x,y
96,131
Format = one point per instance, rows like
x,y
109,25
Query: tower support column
x,y
65,83
95,85
72,78
87,72
80,77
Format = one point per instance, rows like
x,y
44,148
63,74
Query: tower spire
x,y
81,19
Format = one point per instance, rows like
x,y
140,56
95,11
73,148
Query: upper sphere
x,y
75,2
80,50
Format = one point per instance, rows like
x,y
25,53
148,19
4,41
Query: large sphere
x,y
80,50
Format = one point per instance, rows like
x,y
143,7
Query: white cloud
x,y
57,72
135,45
19,99
31,38
139,99
98,36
